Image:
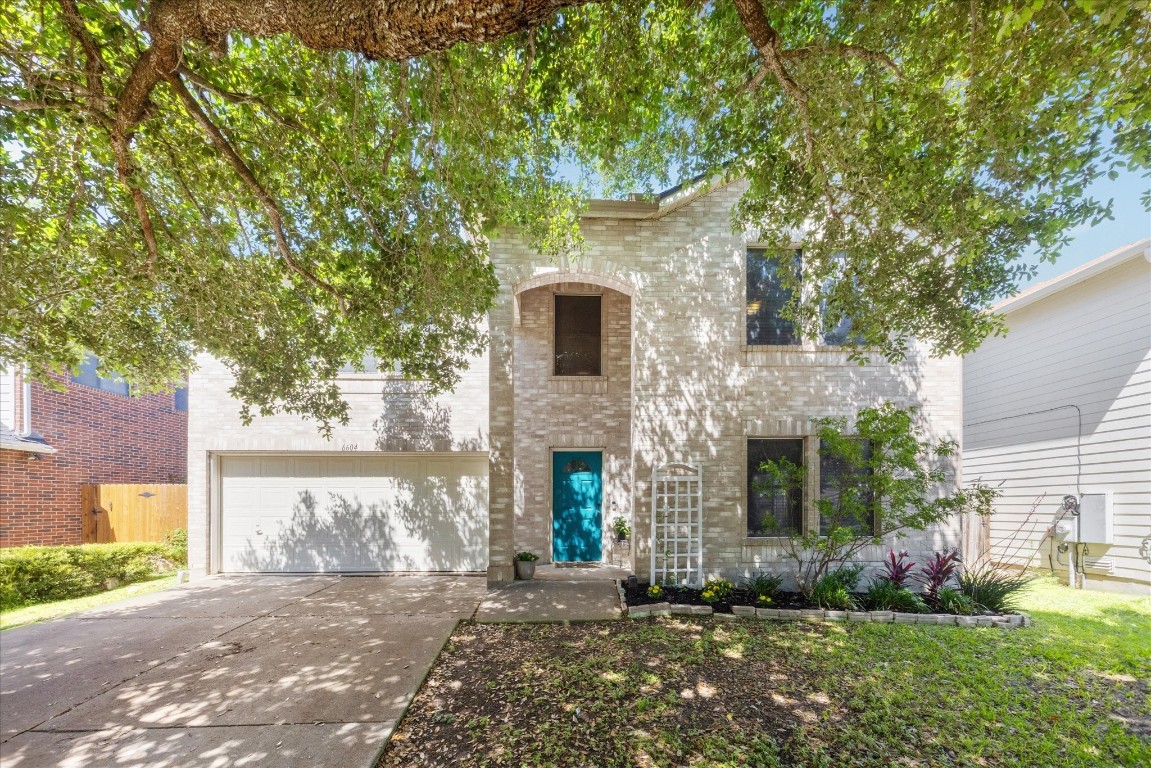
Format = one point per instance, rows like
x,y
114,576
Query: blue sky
x,y
1131,222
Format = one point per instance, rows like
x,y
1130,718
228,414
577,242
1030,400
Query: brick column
x,y
501,431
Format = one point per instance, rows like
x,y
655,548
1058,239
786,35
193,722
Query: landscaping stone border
x,y
1004,621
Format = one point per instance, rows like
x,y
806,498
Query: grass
x,y
1070,691
30,614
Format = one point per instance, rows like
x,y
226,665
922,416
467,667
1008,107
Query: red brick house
x,y
94,431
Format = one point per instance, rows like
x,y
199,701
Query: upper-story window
x,y
371,365
577,335
88,376
767,296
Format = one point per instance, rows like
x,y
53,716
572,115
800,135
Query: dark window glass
x,y
840,335
181,398
772,510
88,376
837,476
577,336
766,297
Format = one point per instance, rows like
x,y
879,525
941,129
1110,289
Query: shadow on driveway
x,y
302,670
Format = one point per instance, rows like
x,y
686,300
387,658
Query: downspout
x,y
26,422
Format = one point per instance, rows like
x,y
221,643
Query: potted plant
x,y
526,565
622,528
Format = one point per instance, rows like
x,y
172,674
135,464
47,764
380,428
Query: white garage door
x,y
343,513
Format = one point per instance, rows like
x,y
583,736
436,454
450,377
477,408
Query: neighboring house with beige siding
x,y
659,349
1061,406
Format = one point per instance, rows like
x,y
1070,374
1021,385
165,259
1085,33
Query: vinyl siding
x,y
1089,346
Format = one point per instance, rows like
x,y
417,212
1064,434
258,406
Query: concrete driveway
x,y
283,670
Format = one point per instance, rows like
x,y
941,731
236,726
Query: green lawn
x,y
1070,691
44,611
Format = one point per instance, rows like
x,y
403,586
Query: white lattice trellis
x,y
677,524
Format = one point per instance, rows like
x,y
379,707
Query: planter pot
x,y
525,569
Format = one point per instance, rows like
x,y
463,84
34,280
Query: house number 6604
x,y
350,447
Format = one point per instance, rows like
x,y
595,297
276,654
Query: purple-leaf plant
x,y
896,568
937,572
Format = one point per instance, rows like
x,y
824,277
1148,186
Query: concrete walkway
x,y
556,594
277,670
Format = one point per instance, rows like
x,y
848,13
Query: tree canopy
x,y
288,185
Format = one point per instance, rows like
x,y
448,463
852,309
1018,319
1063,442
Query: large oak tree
x,y
288,184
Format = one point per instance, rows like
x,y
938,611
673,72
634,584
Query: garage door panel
x,y
348,513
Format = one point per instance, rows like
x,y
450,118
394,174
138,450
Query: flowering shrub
x,y
655,591
763,601
715,590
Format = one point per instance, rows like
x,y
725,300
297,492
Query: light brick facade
x,y
697,391
387,415
679,384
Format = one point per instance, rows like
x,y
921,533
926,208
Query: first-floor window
x,y
845,498
774,504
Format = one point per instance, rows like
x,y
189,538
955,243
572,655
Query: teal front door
x,y
577,499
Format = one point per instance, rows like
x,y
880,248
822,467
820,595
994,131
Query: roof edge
x,y
1097,266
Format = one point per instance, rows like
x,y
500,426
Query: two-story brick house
x,y
660,349
87,429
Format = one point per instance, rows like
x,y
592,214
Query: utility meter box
x,y
1096,522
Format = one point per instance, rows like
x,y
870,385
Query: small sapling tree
x,y
878,482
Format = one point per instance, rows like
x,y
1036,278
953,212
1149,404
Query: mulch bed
x,y
596,694
637,595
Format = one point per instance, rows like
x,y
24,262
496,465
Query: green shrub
x,y
834,589
176,540
30,575
953,601
992,588
763,585
885,595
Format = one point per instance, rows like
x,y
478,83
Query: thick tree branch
x,y
39,105
766,41
846,51
395,31
271,208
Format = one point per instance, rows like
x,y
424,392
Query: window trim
x,y
603,346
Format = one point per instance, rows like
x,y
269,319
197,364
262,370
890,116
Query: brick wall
x,y
99,437
569,413
697,392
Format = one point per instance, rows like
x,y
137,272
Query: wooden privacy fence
x,y
132,512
